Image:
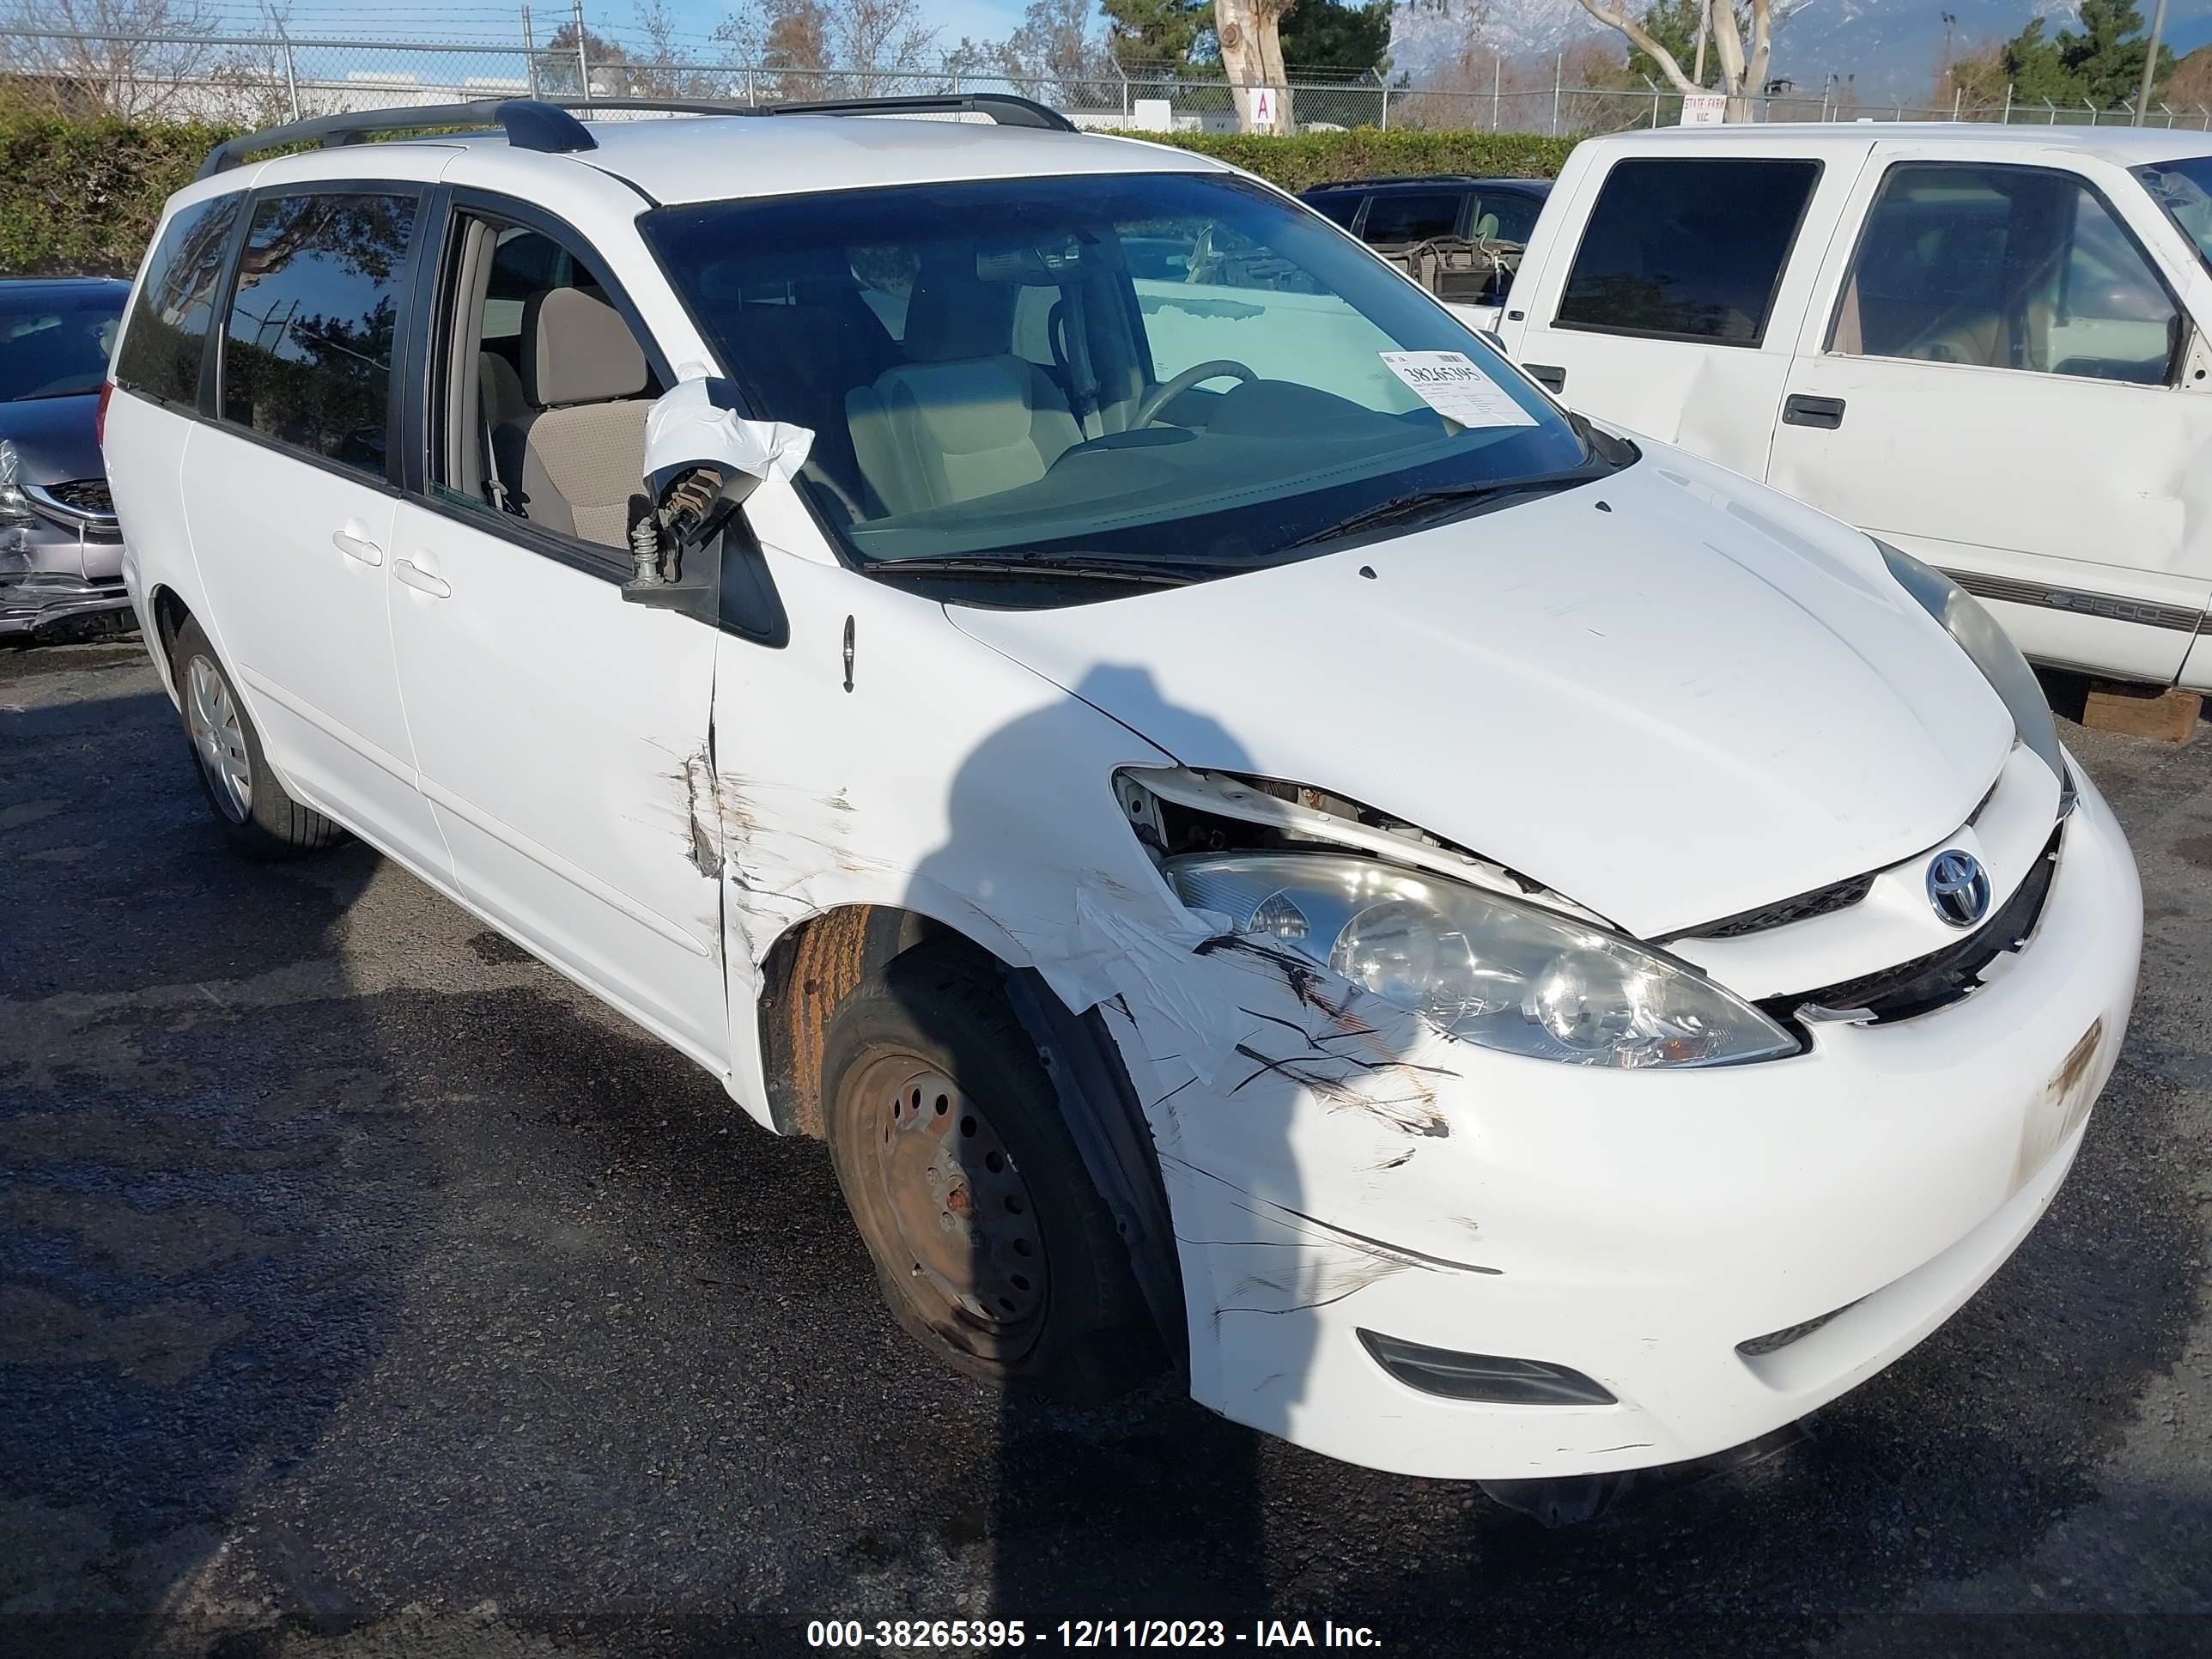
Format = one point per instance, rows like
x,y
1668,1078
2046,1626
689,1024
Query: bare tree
x,y
878,44
885,41
1056,56
138,59
660,64
1742,75
1249,32
790,40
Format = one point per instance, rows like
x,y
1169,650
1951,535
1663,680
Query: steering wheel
x,y
1149,406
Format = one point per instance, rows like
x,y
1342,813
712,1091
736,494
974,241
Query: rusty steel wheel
x,y
992,1246
965,1219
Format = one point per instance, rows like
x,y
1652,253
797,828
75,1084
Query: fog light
x,y
1492,1378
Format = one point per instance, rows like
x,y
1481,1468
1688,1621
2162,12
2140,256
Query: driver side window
x,y
2003,267
545,387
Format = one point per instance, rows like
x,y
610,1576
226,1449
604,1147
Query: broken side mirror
x,y
703,458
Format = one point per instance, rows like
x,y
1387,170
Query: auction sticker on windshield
x,y
1453,384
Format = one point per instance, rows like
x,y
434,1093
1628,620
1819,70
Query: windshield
x,y
56,345
2184,189
1157,366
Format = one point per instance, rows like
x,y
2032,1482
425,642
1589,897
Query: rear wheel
x,y
992,1246
257,817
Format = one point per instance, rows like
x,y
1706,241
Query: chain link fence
x,y
260,79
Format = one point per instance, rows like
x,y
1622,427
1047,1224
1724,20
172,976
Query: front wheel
x,y
258,818
992,1246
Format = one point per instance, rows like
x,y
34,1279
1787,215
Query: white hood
x,y
1700,701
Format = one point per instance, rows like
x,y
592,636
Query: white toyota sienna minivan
x,y
1264,845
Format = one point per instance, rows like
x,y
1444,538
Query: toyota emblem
x,y
1957,887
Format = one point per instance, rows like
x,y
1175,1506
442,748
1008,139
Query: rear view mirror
x,y
702,459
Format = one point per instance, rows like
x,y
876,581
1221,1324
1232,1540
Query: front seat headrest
x,y
578,351
952,314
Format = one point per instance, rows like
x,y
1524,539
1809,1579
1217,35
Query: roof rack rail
x,y
1003,108
548,124
539,124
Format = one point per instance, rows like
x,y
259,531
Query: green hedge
x,y
1320,158
84,196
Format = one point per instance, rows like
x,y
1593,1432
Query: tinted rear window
x,y
307,351
166,338
1689,250
1342,206
1407,217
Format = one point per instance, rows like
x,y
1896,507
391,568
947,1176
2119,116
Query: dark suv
x,y
1460,238
1391,212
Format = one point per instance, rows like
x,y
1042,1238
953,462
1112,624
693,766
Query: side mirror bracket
x,y
702,458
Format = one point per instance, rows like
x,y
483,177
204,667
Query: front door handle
x,y
1826,413
1551,377
355,545
420,580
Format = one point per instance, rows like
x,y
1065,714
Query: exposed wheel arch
x,y
170,613
816,964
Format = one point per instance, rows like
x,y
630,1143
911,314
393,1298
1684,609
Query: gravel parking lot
x,y
367,1289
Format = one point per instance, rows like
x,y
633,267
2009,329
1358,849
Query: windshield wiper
x,y
1160,572
1448,500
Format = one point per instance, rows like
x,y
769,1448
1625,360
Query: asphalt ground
x,y
365,1288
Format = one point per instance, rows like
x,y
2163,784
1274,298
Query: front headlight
x,y
14,509
1990,647
1495,971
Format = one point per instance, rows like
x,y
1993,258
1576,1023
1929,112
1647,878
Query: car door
x,y
1676,315
288,501
1992,383
562,734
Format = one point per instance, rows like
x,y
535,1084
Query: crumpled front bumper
x,y
1647,1229
43,604
54,575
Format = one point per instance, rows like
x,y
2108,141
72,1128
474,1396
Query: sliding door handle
x,y
420,580
1797,409
1551,377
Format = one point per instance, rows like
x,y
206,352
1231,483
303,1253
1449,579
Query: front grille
x,y
85,494
82,505
1929,982
1820,902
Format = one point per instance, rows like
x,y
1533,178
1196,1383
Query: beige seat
x,y
964,417
574,459
499,388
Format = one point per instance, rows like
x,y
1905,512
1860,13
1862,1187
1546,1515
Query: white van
x,y
1264,846
1987,345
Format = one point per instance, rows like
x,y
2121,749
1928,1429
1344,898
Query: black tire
x,y
932,1090
270,824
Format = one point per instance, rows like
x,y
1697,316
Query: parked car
x,y
1459,237
1986,345
1260,843
61,559
1390,212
